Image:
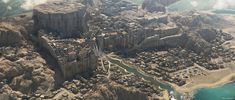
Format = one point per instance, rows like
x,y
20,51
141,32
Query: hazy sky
x,y
29,4
218,4
221,4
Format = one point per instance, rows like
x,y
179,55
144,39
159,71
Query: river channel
x,y
151,79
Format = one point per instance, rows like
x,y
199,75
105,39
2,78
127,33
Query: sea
x,y
224,92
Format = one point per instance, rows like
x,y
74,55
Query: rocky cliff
x,y
188,41
64,24
68,19
11,35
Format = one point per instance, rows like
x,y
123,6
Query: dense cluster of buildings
x,y
77,34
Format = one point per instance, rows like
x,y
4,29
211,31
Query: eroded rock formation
x,y
63,22
68,19
10,35
24,70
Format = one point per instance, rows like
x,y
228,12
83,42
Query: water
x,y
225,11
206,5
12,7
149,78
225,92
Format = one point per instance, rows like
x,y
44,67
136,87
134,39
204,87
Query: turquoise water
x,y
225,92
225,11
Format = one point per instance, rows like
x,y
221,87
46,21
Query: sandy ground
x,y
213,78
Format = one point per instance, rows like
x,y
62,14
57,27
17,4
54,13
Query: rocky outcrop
x,y
114,7
117,92
26,73
157,5
156,42
5,96
194,19
197,44
187,41
68,19
208,34
10,35
153,6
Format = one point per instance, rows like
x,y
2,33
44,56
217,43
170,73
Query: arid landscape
x,y
114,49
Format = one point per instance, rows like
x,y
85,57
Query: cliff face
x,y
68,19
74,56
188,41
64,22
10,35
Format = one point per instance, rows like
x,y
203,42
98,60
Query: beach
x,y
211,79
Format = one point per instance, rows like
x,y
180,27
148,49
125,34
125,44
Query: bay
x,y
224,92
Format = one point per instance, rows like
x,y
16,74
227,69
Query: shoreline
x,y
220,80
191,90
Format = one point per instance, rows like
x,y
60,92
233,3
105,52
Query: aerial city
x,y
117,50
